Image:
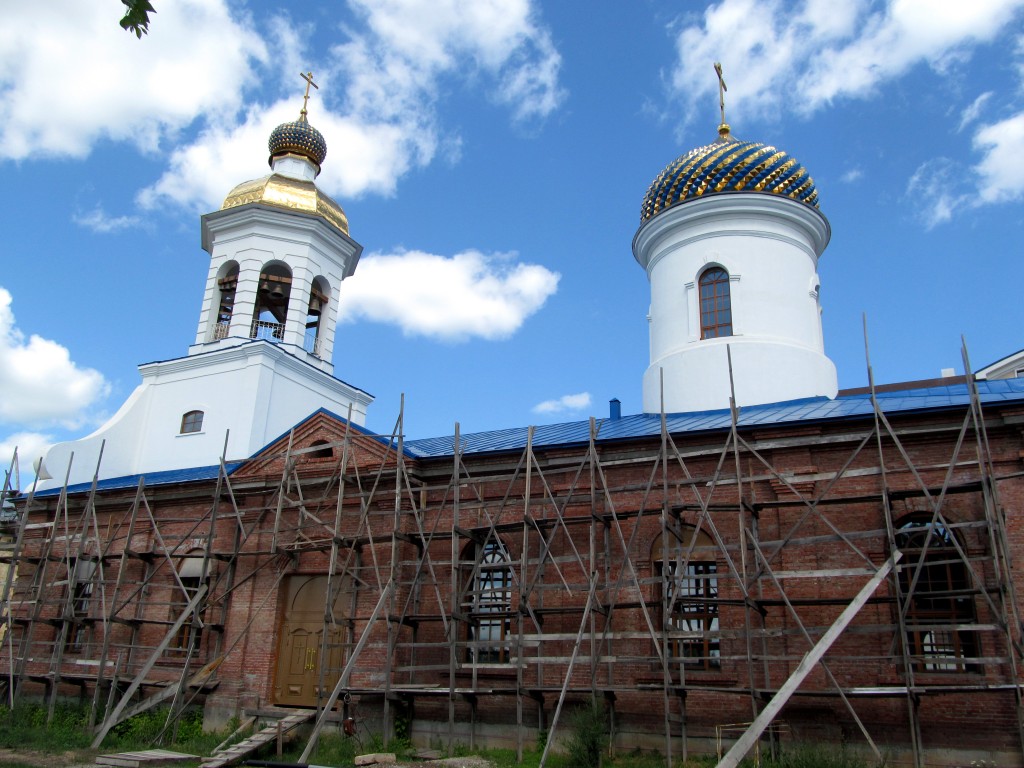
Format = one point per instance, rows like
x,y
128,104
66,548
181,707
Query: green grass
x,y
25,728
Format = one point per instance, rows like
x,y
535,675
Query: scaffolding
x,y
527,581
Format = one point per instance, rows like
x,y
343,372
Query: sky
x,y
491,156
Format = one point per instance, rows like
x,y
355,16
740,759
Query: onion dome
x,y
291,194
728,165
298,138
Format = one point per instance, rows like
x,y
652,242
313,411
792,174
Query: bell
x,y
264,286
315,305
277,291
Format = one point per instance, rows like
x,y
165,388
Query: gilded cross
x,y
721,89
308,77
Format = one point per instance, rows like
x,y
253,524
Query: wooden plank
x,y
238,752
145,757
807,663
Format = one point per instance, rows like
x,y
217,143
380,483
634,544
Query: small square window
x,y
192,422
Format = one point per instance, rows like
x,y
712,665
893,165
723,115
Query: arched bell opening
x,y
227,283
272,297
319,296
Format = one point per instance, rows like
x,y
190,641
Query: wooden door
x,y
300,658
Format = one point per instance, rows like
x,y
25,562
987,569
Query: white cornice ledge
x,y
723,206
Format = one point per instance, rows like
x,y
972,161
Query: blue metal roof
x,y
152,478
791,412
928,398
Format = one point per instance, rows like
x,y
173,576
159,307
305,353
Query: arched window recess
x,y
687,570
191,576
487,601
938,596
227,284
315,312
274,290
715,303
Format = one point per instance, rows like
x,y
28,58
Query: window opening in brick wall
x,y
190,573
82,584
488,602
689,597
325,451
940,601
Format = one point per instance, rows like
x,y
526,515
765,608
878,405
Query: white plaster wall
x,y
256,234
769,246
255,391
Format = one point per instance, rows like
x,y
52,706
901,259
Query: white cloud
x,y
99,221
31,447
411,44
387,77
360,157
851,175
811,52
1001,169
564,403
69,75
941,188
972,112
467,295
933,191
39,381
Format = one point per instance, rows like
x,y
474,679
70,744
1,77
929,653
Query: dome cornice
x,y
730,214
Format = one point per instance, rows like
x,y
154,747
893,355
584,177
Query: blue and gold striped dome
x,y
728,165
299,138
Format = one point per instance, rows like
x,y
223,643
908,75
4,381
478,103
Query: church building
x,y
756,558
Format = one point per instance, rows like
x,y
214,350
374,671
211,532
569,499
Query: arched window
x,y
274,289
939,597
715,304
689,596
82,583
487,601
192,422
227,283
318,299
190,572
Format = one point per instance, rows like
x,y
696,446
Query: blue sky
x,y
492,157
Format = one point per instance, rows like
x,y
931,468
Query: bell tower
x,y
279,248
261,359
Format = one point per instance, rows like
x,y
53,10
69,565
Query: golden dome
x,y
290,194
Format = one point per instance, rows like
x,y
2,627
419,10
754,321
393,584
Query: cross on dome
x,y
723,128
308,77
299,137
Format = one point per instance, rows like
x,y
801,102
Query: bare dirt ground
x,y
70,759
